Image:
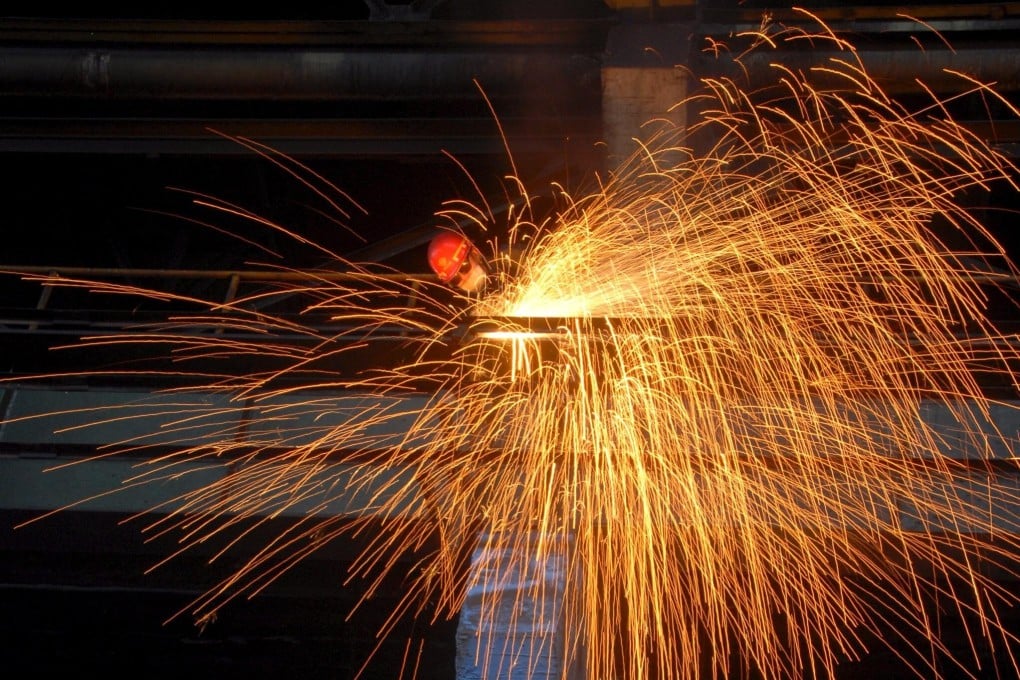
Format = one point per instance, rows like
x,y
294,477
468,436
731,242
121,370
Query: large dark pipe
x,y
895,70
291,74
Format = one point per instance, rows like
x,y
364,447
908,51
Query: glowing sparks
x,y
719,432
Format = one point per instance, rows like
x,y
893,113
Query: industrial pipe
x,y
895,70
292,74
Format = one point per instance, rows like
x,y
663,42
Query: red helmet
x,y
448,253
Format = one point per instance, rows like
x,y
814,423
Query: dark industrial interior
x,y
112,124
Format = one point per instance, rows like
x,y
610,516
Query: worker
x,y
457,262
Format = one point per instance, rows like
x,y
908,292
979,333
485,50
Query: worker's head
x,y
457,262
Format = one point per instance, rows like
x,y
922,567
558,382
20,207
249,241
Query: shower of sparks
x,y
699,389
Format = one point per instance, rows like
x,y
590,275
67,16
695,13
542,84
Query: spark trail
x,y
702,387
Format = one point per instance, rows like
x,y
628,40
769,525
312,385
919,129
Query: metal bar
x,y
459,133
242,275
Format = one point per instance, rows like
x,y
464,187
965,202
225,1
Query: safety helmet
x,y
448,254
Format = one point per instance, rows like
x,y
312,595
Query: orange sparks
x,y
705,392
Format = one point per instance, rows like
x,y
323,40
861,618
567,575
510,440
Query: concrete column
x,y
644,78
512,626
